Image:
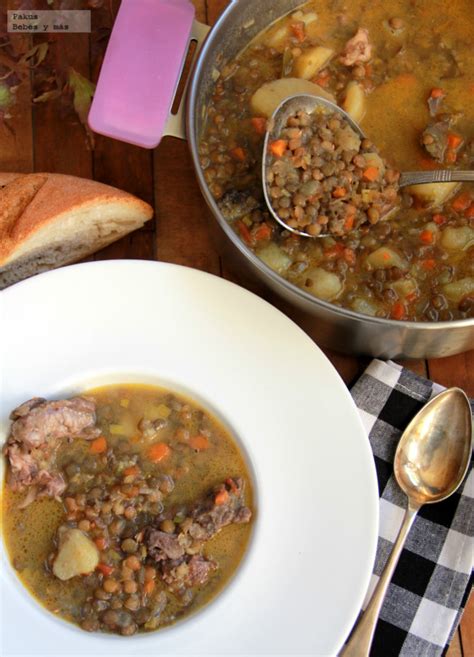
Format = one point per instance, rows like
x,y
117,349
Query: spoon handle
x,y
440,175
360,640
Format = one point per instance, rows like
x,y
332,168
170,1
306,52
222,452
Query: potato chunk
x,y
305,17
374,160
279,37
384,258
354,102
77,555
364,306
433,194
404,287
348,139
457,290
324,284
311,61
275,258
267,98
457,239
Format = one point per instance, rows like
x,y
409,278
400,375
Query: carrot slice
x,y
105,569
437,93
454,140
339,192
398,310
101,543
238,153
221,497
259,124
199,442
348,224
98,446
244,232
429,264
298,31
426,236
132,470
263,232
470,212
149,587
370,174
158,452
439,219
278,147
461,202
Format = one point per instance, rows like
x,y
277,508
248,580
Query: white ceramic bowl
x,y
302,582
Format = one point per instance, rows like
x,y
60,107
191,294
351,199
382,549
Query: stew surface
x,y
405,71
125,509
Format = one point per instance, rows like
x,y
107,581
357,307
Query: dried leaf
x,y
47,95
83,92
7,97
35,55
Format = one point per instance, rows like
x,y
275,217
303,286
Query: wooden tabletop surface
x,y
48,136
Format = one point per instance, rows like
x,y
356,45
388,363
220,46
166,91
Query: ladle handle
x,y
360,640
440,175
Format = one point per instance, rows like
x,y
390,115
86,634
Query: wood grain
x,y
16,133
116,163
467,629
215,9
181,230
60,141
454,371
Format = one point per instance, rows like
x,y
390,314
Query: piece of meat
x,y
194,571
434,139
358,49
45,421
178,555
434,103
36,432
163,546
25,408
236,204
209,517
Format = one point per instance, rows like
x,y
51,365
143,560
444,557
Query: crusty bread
x,y
48,220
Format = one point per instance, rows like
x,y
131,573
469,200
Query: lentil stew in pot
x,y
124,509
404,70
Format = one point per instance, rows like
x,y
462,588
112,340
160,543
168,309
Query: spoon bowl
x,y
310,104
433,454
431,460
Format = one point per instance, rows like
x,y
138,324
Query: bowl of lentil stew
x,y
401,288
126,508
184,342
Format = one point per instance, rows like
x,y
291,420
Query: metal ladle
x,y
431,461
303,102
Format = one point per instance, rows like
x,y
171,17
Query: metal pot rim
x,y
245,250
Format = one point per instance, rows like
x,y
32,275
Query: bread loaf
x,y
48,220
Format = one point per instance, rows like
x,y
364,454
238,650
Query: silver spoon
x,y
307,103
431,461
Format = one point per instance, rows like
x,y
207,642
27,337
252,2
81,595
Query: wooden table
x,y
49,137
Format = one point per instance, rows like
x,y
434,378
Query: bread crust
x,y
29,202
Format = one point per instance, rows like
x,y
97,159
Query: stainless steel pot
x,y
336,328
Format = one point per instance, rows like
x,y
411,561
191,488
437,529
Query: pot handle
x,y
141,71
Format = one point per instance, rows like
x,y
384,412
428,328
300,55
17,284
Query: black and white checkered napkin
x,y
432,580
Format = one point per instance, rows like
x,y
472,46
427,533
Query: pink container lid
x,y
141,70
